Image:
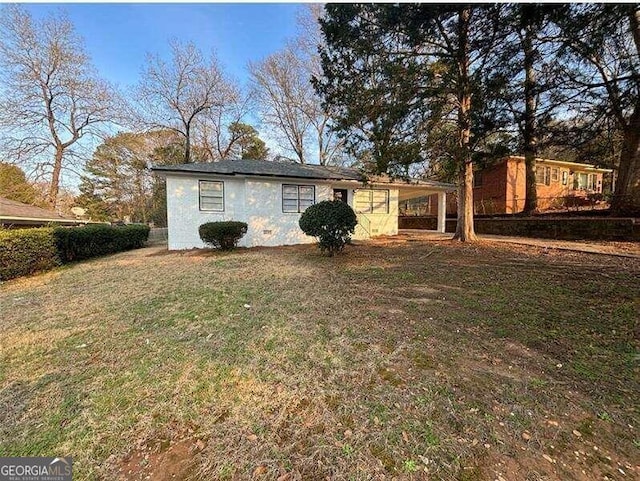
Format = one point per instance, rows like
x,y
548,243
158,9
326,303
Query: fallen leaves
x,y
260,470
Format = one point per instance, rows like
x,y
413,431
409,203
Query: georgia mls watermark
x,y
36,469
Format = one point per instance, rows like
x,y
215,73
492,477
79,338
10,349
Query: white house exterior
x,y
271,196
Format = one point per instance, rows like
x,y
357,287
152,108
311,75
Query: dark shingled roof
x,y
12,209
265,168
292,170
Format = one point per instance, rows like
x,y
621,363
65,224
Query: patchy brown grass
x,y
396,360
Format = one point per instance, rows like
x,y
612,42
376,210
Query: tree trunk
x,y
464,229
529,133
54,186
626,198
187,148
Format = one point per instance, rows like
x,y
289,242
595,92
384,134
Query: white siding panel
x,y
372,225
268,225
183,210
254,201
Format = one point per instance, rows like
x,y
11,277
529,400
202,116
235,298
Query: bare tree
x,y
176,94
329,146
51,98
213,133
287,99
282,91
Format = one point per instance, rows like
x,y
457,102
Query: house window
x,y
582,181
565,177
372,201
477,179
296,198
211,195
543,175
555,173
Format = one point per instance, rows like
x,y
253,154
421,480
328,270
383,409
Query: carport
x,y
425,188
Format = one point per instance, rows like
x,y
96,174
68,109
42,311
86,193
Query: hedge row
x,y
25,251
78,243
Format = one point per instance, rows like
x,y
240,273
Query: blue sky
x,y
118,36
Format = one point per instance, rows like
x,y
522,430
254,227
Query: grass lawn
x,y
395,360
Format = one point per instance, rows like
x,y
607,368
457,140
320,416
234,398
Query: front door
x,y
340,194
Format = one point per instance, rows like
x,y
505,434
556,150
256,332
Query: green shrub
x,y
222,235
77,243
332,222
25,251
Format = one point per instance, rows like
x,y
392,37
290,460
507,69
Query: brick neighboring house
x,y
500,189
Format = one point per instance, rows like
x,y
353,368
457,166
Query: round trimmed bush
x,y
332,222
222,235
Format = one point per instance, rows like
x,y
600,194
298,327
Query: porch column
x,y
442,211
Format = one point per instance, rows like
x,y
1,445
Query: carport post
x,y
442,212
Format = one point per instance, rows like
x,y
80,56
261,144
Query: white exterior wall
x,y
183,209
373,225
268,225
257,202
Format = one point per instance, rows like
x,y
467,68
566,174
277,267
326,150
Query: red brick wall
x,y
502,189
511,172
452,205
490,196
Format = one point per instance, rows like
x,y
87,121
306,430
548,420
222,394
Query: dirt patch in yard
x,y
175,462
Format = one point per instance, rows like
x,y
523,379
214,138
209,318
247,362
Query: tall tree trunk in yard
x,y
464,230
54,185
529,131
626,199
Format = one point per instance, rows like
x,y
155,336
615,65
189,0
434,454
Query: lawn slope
x,y
416,360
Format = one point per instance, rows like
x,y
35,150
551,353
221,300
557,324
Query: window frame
x,y
297,186
565,177
578,184
555,174
546,175
221,182
371,203
477,179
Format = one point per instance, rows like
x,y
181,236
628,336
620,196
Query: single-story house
x,y
501,188
15,214
271,196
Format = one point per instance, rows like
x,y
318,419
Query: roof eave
x,y
47,220
245,174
